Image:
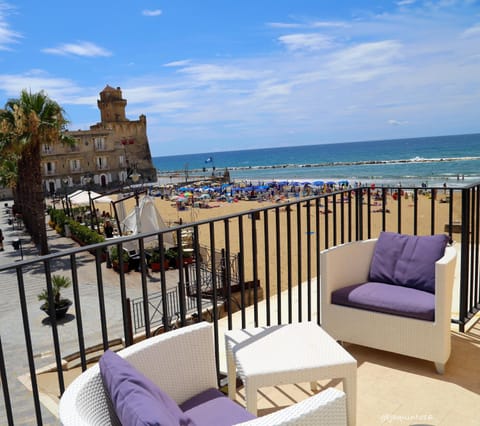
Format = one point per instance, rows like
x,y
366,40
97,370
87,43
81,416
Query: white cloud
x,y
59,89
156,12
311,24
472,31
181,63
397,122
367,55
213,72
329,24
405,2
7,35
271,88
284,25
303,41
82,48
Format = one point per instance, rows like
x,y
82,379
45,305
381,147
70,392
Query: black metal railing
x,y
157,316
276,249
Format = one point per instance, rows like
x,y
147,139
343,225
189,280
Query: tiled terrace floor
x,y
393,389
399,390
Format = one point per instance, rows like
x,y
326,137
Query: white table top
x,y
288,347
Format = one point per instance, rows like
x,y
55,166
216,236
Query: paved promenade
x,y
11,325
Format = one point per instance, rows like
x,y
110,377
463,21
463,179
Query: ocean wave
x,y
346,163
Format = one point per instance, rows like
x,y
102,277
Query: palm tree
x,y
8,171
25,124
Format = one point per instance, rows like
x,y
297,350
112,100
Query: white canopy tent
x,y
82,198
145,218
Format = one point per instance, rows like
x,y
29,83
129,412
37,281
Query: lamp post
x,y
65,185
135,178
88,180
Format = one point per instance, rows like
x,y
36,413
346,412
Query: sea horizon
x,y
453,160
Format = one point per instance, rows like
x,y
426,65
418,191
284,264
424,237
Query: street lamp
x,y
65,185
88,180
135,178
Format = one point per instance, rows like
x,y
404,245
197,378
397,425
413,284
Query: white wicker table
x,y
290,353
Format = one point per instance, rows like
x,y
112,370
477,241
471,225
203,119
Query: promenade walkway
x,y
11,324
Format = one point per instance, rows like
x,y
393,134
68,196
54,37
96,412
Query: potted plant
x,y
114,256
173,258
171,255
61,305
154,261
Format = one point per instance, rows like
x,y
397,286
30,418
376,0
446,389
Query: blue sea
x,y
454,160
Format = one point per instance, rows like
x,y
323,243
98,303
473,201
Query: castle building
x,y
106,155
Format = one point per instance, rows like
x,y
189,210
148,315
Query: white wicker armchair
x,y
182,363
349,264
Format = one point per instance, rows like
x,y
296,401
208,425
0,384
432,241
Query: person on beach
x,y
1,240
108,229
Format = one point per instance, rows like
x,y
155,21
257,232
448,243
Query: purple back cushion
x,y
135,398
407,260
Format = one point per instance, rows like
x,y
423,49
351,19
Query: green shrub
x,y
115,257
83,233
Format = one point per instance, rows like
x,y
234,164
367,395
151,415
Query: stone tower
x,y
111,105
129,136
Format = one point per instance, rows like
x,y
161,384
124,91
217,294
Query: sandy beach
x,y
302,241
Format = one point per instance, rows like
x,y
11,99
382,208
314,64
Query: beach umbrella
x,y
205,196
260,188
319,183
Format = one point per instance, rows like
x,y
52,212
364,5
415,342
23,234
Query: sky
x,y
220,75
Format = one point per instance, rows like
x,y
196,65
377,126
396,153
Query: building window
x,y
121,160
99,143
75,165
47,149
49,168
101,163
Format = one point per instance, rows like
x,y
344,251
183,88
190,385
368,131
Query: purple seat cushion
x,y
135,398
407,260
387,298
213,408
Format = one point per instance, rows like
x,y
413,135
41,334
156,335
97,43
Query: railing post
x,y
359,214
6,393
463,309
128,328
